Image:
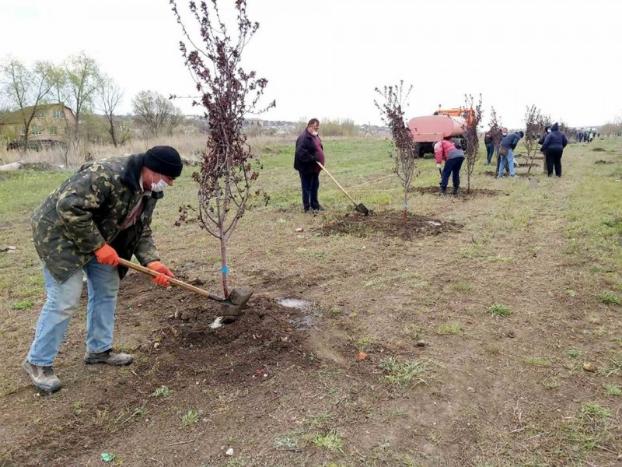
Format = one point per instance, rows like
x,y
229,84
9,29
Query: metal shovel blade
x,y
362,209
232,306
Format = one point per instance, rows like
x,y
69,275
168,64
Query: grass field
x,y
498,342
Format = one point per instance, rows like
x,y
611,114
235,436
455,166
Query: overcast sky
x,y
323,58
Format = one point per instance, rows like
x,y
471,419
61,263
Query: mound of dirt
x,y
389,223
603,162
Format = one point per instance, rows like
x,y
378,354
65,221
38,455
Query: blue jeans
x,y
509,160
452,166
63,299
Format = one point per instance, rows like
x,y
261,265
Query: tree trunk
x,y
405,210
113,134
224,269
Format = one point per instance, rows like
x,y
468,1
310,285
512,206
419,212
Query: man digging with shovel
x,y
99,214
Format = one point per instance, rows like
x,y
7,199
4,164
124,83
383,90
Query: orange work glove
x,y
107,255
162,278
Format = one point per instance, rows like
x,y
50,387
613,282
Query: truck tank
x,y
429,129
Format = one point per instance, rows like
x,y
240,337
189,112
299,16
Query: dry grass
x,y
506,391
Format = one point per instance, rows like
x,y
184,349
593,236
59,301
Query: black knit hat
x,y
164,160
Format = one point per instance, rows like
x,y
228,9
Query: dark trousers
x,y
310,183
452,166
553,159
490,149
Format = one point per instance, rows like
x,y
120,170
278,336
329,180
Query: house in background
x,y
50,126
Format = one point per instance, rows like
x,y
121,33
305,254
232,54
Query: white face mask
x,y
159,186
314,133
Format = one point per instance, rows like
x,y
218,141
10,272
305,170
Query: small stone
x,y
300,229
510,334
360,356
156,345
229,452
587,366
421,343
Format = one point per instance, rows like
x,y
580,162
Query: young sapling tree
x,y
390,102
473,112
227,94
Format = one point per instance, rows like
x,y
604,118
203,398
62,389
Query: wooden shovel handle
x,y
335,180
172,280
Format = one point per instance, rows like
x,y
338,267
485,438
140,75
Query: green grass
x,y
613,366
573,353
609,298
499,310
162,391
449,329
613,390
403,373
330,441
287,442
191,417
589,429
23,305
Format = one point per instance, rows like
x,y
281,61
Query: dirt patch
x,y
180,350
603,162
598,149
389,223
473,193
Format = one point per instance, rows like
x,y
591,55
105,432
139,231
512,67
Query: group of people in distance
x,y
552,142
448,154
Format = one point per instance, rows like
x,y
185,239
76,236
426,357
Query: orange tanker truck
x,y
429,129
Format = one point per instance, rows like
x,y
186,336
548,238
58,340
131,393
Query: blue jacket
x,y
510,141
554,140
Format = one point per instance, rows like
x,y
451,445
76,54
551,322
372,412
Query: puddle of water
x,y
294,303
303,321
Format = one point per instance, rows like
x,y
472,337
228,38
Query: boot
x,y
108,357
455,192
443,191
42,377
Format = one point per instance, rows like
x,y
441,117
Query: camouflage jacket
x,y
88,210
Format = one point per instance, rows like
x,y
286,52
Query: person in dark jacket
x,y
490,146
508,144
553,147
100,214
309,151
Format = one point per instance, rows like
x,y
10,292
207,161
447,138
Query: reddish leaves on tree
x,y
390,104
227,94
471,152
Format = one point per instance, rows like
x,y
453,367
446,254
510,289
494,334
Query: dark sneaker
x,y
109,358
42,377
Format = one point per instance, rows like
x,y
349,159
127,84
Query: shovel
x,y
360,207
232,305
